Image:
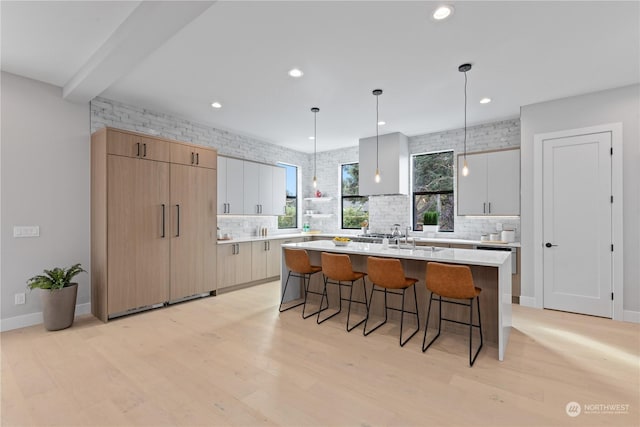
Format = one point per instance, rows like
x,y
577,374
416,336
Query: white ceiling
x,y
239,53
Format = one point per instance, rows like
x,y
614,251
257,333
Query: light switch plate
x,y
26,231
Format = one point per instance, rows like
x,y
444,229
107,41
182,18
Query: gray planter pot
x,y
59,307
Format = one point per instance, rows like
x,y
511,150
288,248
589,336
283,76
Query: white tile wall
x,y
384,210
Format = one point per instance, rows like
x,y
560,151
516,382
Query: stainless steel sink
x,y
403,246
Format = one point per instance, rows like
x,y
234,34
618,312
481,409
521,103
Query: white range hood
x,y
393,163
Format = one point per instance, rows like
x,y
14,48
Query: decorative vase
x,y
59,307
430,228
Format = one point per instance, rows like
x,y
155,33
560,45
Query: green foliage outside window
x,y
433,189
355,208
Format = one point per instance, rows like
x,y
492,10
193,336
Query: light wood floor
x,y
234,360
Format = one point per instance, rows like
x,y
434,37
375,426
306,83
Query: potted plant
x,y
58,296
430,224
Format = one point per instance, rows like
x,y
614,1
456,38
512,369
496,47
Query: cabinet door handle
x,y
265,246
489,207
144,150
269,244
484,207
197,158
237,248
163,234
192,157
233,249
178,228
137,149
228,206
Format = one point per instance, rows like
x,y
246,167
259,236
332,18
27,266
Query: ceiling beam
x,y
147,28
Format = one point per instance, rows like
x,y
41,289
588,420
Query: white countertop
x,y
422,253
417,239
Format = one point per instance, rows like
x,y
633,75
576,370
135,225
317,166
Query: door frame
x,y
616,210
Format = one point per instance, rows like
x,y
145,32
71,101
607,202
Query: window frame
x,y
296,217
414,193
349,197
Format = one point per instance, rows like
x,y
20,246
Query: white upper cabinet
x,y
393,162
251,188
493,184
230,186
279,190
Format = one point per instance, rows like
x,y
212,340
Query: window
x,y
290,218
433,188
355,208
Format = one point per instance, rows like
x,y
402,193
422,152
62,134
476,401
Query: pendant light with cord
x,y
315,110
377,93
463,69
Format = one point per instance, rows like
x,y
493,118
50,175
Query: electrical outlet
x,y
26,231
20,298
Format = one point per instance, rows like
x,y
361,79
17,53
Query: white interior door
x,y
577,224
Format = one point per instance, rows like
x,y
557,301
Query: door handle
x,y
144,150
233,249
489,207
192,157
163,235
268,245
137,149
237,248
265,246
484,207
197,158
549,245
228,206
178,230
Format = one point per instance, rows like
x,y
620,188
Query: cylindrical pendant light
x,y
377,93
315,110
463,69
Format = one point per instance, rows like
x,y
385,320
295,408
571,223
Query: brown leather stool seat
x,y
452,282
337,270
298,264
388,274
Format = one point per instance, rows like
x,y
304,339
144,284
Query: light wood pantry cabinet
x,y
493,184
234,264
230,186
143,251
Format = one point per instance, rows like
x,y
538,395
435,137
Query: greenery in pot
x,y
430,218
59,296
57,278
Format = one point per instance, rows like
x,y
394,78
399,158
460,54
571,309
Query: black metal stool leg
x,y
325,294
471,325
373,291
402,319
307,284
349,329
426,328
284,292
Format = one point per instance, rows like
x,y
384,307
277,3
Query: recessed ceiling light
x,y
485,100
312,138
442,12
295,72
382,123
216,105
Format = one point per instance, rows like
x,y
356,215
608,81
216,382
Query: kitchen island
x,y
491,271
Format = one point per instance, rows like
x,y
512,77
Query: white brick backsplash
x,y
384,211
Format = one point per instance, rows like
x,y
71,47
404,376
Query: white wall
x,y
609,106
45,181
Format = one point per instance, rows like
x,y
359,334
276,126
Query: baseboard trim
x,y
527,301
631,316
31,319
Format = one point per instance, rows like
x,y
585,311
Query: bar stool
x,y
298,264
337,269
387,273
455,282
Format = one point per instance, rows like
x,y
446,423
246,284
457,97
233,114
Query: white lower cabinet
x,y
240,263
234,264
